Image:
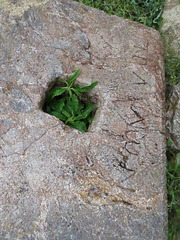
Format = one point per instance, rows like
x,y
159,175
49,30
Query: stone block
x,y
170,26
173,118
57,183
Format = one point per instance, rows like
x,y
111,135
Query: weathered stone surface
x,y
171,25
173,117
56,182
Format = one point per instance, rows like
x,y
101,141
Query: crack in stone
x,y
24,151
123,164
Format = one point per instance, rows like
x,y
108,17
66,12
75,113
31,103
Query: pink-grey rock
x,y
59,183
173,118
170,27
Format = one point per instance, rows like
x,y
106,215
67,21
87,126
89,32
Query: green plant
x,y
147,12
66,103
172,68
173,189
172,65
172,75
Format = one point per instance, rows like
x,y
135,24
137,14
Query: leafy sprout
x,y
66,103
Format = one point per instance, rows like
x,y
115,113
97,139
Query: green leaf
x,y
58,106
48,109
59,115
90,119
70,110
81,126
81,106
66,113
84,114
73,77
57,92
70,92
74,103
67,107
76,91
86,88
63,80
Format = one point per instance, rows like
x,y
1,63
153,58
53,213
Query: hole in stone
x,y
70,102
